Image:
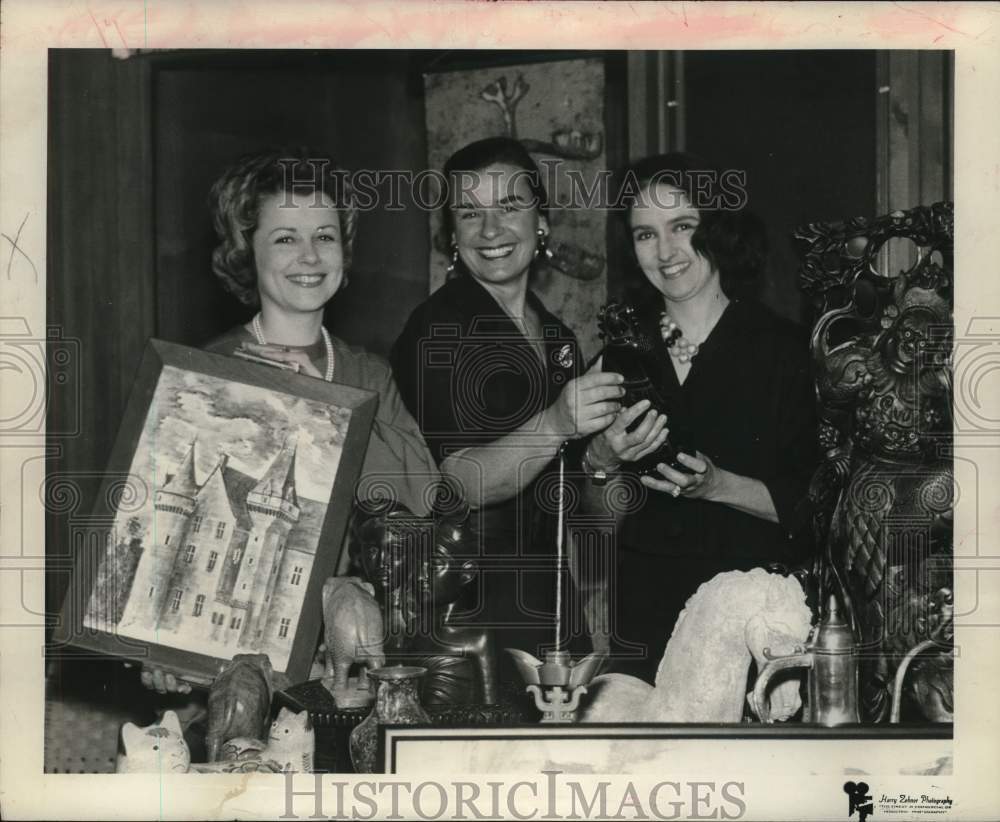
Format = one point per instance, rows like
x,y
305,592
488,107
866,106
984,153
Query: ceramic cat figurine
x,y
291,745
161,748
158,748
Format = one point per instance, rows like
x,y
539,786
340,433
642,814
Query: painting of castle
x,y
217,559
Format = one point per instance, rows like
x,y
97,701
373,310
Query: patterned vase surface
x,y
396,703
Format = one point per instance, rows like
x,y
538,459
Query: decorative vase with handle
x,y
396,703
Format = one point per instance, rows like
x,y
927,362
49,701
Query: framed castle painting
x,y
222,512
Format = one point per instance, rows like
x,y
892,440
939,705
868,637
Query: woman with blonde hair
x,y
285,221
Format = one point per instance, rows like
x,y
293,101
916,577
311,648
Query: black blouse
x,y
467,373
469,376
749,403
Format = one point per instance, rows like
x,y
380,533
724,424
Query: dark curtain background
x,y
802,126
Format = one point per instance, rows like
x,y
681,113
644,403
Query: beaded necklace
x,y
258,332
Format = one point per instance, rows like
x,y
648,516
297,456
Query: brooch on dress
x,y
564,356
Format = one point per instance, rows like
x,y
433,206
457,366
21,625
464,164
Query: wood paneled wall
x,y
914,141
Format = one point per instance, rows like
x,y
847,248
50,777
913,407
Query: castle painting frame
x,y
222,511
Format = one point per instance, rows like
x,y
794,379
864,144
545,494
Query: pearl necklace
x,y
680,349
258,332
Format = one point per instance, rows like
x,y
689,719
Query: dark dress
x,y
749,403
469,377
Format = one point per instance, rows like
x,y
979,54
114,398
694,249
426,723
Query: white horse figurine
x,y
703,674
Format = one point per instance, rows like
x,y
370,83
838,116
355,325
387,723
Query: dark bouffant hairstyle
x,y
483,153
236,198
733,239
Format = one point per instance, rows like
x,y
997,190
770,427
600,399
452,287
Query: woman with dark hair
x,y
737,381
496,382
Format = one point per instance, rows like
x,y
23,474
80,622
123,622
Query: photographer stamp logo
x,y
858,800
903,805
908,805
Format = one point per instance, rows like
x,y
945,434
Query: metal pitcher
x,y
833,673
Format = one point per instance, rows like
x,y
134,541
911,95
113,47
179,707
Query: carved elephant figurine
x,y
239,701
353,629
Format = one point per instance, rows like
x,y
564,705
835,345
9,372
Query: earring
x,y
454,258
542,246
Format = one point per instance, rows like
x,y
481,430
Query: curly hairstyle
x,y
236,197
480,155
731,238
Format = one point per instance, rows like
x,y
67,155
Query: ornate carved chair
x,y
882,496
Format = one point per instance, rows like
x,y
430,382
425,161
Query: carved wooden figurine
x,y
239,701
385,540
637,351
883,496
460,658
353,629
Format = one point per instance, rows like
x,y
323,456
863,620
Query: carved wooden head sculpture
x,y
883,493
882,344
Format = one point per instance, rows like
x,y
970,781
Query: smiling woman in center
x,y
497,385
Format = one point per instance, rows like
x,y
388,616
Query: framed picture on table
x,y
222,512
